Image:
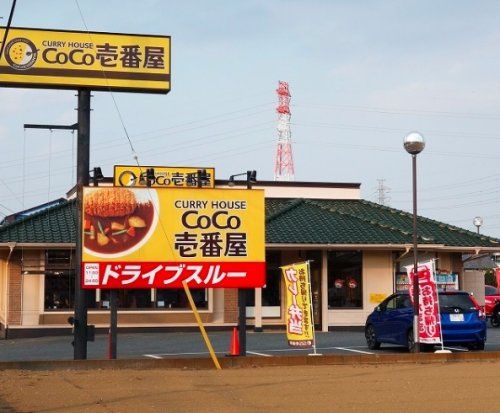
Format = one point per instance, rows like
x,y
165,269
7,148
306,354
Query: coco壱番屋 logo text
x,y
21,53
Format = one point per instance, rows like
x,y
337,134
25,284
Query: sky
x,y
362,75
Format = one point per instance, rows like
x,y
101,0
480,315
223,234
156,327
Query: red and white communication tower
x,y
283,168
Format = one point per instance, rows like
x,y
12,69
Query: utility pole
x,y
79,320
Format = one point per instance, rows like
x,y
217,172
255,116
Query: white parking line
x,y
300,349
161,355
351,349
259,354
456,349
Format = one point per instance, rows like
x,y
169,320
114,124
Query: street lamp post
x,y
414,144
478,222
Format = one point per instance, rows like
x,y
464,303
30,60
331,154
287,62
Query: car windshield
x,y
449,302
490,290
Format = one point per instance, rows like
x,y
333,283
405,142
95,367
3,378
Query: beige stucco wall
x,y
377,279
307,192
32,290
473,282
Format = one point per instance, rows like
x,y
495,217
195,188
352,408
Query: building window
x,y
176,298
345,288
59,290
133,299
271,293
141,299
59,280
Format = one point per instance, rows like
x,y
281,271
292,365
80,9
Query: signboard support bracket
x,y
51,127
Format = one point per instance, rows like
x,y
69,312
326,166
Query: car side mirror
x,y
378,309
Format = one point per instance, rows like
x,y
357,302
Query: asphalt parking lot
x,y
190,344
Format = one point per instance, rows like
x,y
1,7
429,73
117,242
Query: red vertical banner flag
x,y
429,320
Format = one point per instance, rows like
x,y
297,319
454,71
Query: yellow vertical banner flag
x,y
298,314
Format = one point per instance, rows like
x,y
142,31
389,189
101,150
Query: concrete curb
x,y
249,362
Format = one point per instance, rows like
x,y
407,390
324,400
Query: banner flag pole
x,y
439,312
312,310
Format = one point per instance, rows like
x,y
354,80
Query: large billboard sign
x,y
158,238
164,177
72,59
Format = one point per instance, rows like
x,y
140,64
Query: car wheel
x,y
477,346
411,342
426,348
495,319
371,338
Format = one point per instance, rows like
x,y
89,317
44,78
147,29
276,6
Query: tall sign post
x,y
242,293
83,61
82,179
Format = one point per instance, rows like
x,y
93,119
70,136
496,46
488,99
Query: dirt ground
x,y
439,387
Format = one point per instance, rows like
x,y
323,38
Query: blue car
x,y
463,322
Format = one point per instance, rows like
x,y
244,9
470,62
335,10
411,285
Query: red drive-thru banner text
x,y
158,238
429,320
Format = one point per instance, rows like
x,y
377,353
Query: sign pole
x,y
82,179
312,310
113,322
242,321
242,301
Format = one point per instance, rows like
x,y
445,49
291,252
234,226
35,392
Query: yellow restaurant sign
x,y
298,313
158,238
73,59
164,177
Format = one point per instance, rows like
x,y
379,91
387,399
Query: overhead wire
x,y
7,28
392,111
63,153
188,144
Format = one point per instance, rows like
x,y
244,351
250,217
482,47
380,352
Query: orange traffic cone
x,y
234,349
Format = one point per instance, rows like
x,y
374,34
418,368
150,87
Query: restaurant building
x,y
358,250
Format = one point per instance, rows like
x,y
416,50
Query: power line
x,y
397,150
355,127
7,28
392,111
175,148
453,196
107,145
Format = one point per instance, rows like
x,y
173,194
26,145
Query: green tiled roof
x,y
288,221
321,221
53,225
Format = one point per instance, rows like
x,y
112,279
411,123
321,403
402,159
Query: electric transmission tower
x,y
382,192
283,167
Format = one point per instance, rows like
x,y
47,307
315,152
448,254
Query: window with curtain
x,y
345,280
